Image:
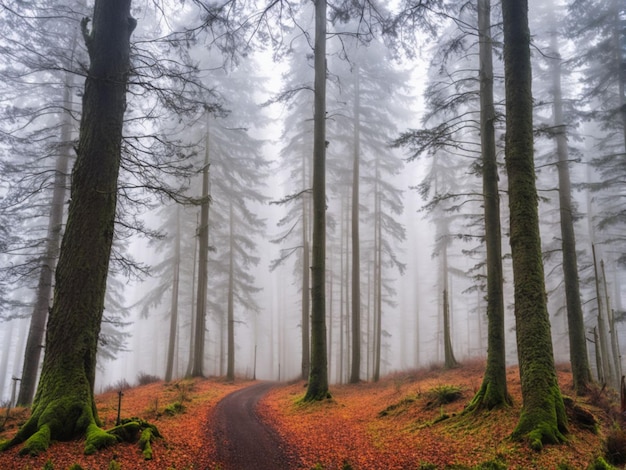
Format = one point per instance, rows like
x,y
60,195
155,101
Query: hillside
x,y
400,422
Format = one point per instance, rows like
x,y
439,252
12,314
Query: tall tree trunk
x,y
197,370
356,253
378,278
579,358
34,343
345,212
318,379
543,419
330,316
605,356
306,290
599,365
493,391
448,353
342,297
64,404
192,318
171,346
230,368
617,362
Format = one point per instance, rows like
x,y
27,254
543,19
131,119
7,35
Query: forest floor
x,y
401,422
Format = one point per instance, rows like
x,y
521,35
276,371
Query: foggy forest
x,y
331,192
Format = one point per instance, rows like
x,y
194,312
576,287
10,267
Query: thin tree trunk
x,y
493,391
197,369
230,369
356,253
330,316
377,278
318,380
345,211
599,365
171,347
607,363
342,297
579,358
306,293
543,419
617,367
448,353
34,343
192,319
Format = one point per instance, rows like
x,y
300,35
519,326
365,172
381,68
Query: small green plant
x,y
114,465
346,465
48,465
183,388
600,464
427,466
75,466
317,466
496,464
174,408
443,394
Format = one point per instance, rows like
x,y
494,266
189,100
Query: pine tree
x,y
64,404
543,419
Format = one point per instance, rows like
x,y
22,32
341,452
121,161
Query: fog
x,y
260,145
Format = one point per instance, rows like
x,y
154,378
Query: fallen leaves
x,y
183,434
394,425
388,425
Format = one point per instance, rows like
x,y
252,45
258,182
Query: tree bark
x,y
197,370
605,356
64,406
617,361
543,419
230,367
356,254
171,346
378,279
317,388
493,391
579,358
306,290
37,328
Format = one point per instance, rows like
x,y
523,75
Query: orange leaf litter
x,y
345,430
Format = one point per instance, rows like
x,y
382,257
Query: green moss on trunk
x,y
543,419
64,406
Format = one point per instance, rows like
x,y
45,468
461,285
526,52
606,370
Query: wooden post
x,y
119,407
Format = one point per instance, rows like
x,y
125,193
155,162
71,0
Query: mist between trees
x,y
219,264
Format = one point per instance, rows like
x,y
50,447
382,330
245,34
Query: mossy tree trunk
x,y
493,391
64,403
317,388
543,419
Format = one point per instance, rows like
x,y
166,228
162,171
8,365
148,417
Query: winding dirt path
x,y
243,441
